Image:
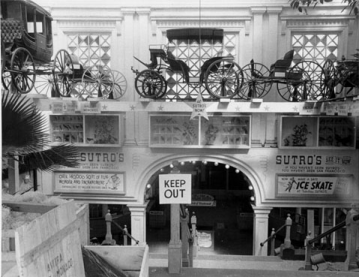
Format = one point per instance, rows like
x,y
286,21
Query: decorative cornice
x,y
191,23
86,24
258,10
274,10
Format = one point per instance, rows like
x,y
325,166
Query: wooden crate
x,y
49,244
131,259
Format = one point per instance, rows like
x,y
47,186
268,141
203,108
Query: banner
x,y
288,185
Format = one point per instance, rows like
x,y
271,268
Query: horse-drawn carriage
x,y
295,81
221,76
341,74
26,58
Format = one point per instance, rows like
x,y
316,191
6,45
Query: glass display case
x,y
101,130
322,132
217,132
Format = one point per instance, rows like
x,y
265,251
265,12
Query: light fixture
x,y
252,198
182,163
250,187
227,166
161,169
204,162
237,170
148,186
171,165
216,164
193,162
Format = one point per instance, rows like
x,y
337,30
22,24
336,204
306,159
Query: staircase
x,y
245,266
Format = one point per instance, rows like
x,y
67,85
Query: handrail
x,y
330,231
272,235
125,232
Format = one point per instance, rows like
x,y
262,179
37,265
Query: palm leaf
x,y
23,126
25,137
47,160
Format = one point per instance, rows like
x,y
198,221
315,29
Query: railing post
x,y
190,252
308,252
108,238
352,224
287,241
184,238
194,234
272,243
125,232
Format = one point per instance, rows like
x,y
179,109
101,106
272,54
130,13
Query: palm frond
x,y
50,159
23,126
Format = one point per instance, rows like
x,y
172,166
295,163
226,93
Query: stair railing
x,y
108,238
309,242
287,241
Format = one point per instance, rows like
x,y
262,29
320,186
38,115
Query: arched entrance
x,y
222,199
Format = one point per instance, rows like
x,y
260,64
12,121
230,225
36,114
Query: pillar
x,y
175,245
352,242
138,223
258,33
260,230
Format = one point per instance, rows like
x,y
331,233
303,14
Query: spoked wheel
x,y
44,81
256,83
223,78
6,78
149,84
120,85
329,79
22,68
98,81
63,73
296,85
314,70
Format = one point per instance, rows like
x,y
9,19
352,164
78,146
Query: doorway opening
x,y
222,198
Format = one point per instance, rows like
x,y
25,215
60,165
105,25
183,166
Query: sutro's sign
x,y
175,188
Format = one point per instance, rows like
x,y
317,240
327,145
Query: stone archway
x,y
163,166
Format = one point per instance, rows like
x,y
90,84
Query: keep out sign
x,y
175,188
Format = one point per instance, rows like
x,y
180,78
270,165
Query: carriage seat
x,y
178,66
10,29
279,68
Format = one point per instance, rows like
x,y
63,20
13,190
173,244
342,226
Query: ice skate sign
x,y
175,188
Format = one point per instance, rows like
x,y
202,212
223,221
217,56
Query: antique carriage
x,y
221,76
27,64
27,47
295,80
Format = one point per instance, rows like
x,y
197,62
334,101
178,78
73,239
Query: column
x,y
258,33
138,222
260,230
271,51
128,53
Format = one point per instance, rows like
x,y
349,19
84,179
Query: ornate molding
x,y
73,24
195,23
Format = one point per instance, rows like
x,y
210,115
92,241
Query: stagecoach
x,y
27,64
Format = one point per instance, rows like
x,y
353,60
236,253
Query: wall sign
x,y
175,188
306,185
90,182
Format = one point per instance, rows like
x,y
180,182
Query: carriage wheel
x,y
22,68
44,81
149,84
353,78
256,82
329,79
63,73
223,79
296,86
164,88
98,81
6,78
120,85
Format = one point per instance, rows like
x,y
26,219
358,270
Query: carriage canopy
x,y
196,34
